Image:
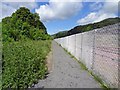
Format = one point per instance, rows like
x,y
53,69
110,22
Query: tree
x,y
23,23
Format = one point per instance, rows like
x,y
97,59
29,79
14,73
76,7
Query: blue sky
x,y
67,24
59,16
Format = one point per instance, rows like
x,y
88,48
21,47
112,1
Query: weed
x,y
24,63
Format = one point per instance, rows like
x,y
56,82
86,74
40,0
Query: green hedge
x,y
24,62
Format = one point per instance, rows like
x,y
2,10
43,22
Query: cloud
x,y
96,6
95,17
100,0
10,6
58,10
0,11
31,4
109,10
111,7
7,10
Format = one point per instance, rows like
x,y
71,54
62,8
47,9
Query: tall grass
x,y
24,63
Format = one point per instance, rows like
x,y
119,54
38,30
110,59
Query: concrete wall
x,y
98,50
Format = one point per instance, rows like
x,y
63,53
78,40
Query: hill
x,y
88,27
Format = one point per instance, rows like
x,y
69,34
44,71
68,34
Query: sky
x,y
61,15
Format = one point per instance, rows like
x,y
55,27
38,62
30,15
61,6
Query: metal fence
x,y
98,50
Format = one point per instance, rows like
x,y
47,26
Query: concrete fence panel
x,y
62,42
87,48
66,43
106,54
98,50
78,53
71,47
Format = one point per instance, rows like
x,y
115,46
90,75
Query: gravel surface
x,y
66,72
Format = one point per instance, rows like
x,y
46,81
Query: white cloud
x,y
10,6
18,0
101,0
96,6
109,10
7,10
58,9
0,11
111,7
18,3
95,17
88,19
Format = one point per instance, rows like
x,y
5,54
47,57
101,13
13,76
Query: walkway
x,y
66,72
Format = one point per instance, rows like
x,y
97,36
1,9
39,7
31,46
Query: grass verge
x,y
24,63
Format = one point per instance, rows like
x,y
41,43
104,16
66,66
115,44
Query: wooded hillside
x,y
88,27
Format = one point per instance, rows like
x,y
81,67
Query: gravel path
x,y
66,72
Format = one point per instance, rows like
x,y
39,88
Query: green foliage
x,y
24,62
39,35
60,34
23,23
25,46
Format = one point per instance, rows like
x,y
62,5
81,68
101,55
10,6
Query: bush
x,y
24,62
23,23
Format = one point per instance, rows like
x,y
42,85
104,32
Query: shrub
x,y
24,62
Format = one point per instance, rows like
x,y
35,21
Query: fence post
x,y
81,43
75,45
92,67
